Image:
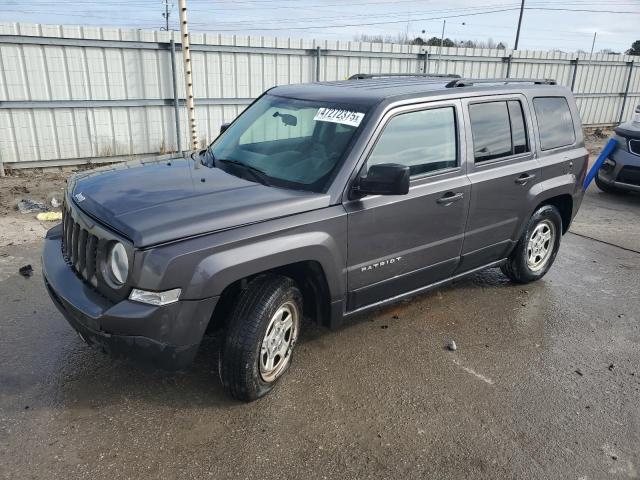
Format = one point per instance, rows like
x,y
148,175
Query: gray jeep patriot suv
x,y
322,201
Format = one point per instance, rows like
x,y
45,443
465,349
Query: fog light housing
x,y
155,298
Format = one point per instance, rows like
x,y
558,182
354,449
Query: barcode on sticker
x,y
335,115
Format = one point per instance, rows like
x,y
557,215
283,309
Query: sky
x,y
566,25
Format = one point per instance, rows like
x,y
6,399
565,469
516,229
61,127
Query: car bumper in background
x,y
625,174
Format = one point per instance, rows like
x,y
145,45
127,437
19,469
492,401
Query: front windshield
x,y
290,143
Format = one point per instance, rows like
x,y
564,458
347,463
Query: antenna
x,y
166,14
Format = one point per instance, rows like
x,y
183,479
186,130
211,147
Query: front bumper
x,y
167,337
623,159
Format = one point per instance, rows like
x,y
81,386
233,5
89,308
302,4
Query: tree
x,y
435,42
635,48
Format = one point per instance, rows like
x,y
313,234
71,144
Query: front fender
x,y
215,272
204,266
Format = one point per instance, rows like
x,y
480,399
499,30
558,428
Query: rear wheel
x,y
263,330
537,248
606,187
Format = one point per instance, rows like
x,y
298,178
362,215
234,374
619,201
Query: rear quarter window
x,y
555,123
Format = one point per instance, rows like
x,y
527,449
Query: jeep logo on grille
x,y
79,197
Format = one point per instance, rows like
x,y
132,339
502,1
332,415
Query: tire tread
x,y
237,356
515,266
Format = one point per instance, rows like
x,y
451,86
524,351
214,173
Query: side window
x,y
498,130
554,122
518,127
425,141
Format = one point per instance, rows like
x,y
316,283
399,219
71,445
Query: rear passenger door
x,y
561,147
502,169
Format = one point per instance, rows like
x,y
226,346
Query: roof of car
x,y
371,91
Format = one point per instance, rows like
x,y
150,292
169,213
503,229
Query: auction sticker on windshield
x,y
335,115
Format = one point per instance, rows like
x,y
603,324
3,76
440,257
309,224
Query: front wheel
x,y
537,248
263,330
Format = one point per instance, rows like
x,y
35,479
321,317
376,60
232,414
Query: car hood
x,y
158,202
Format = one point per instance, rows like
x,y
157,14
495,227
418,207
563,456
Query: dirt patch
x,y
17,228
39,186
595,140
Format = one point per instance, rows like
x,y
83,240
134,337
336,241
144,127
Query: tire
x,y
261,311
532,256
607,188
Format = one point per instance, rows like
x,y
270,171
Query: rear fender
x,y
543,191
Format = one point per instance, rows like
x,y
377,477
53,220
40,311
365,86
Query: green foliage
x,y
431,42
635,48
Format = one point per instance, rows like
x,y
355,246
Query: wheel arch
x,y
314,260
309,276
558,192
564,204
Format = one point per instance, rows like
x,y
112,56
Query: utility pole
x,y
188,80
515,47
166,15
444,24
593,44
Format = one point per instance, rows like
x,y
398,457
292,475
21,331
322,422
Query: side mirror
x,y
224,127
384,179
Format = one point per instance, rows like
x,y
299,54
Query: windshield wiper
x,y
256,173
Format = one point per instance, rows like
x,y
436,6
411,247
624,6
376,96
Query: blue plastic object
x,y
606,151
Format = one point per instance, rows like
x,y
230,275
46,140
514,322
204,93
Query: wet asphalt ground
x,y
545,384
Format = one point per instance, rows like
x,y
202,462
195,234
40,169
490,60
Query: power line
x,y
437,15
369,23
581,10
470,14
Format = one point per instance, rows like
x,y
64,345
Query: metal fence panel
x,y
73,93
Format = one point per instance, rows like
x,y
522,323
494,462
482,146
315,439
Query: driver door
x,y
397,244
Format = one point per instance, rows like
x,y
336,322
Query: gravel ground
x,y
545,383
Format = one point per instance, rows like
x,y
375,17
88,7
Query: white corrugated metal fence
x,y
72,94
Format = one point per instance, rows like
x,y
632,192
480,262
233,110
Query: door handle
x,y
525,178
450,197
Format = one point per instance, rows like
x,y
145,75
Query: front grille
x,y
634,147
630,175
79,247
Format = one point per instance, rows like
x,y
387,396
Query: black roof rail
x,y
363,76
468,82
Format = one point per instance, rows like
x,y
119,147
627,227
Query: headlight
x,y
118,263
